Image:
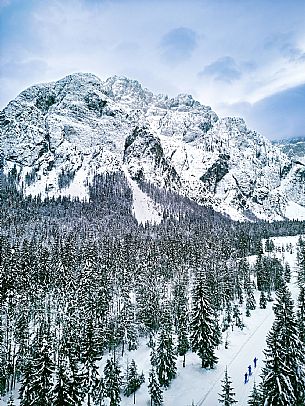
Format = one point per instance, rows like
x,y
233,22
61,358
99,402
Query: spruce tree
x,y
165,358
63,393
236,317
301,262
255,397
183,342
301,314
203,326
37,380
90,355
276,387
112,382
133,381
128,325
153,357
25,392
227,394
262,300
250,299
76,380
154,389
287,273
283,377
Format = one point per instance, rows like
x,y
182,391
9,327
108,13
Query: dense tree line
x,y
81,283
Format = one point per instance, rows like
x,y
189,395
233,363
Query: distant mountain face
x,y
293,147
58,135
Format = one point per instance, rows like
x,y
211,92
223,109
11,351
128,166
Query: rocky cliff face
x,y
58,135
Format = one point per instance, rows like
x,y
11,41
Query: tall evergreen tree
x,y
165,358
37,380
250,299
227,394
63,393
203,326
183,342
25,392
301,314
154,389
112,382
301,262
283,377
262,300
287,273
133,381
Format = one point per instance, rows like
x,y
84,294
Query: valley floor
x,y
197,386
200,386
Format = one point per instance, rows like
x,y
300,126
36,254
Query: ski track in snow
x,y
245,348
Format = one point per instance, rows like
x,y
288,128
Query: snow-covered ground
x,y
194,384
294,211
200,386
144,209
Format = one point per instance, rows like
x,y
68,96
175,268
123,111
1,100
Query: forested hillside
x,y
82,283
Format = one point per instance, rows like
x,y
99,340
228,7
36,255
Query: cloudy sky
x,y
242,57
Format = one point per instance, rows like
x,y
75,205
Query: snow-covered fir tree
x,y
133,380
154,389
287,273
227,395
301,314
262,300
38,381
165,358
203,325
63,392
112,382
255,398
283,376
250,299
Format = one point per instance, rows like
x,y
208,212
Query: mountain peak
x,y
122,88
81,125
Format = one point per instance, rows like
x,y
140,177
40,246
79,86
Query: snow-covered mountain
x,y
293,147
58,135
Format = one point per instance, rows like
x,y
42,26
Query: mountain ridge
x,y
80,126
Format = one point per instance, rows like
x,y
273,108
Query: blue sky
x,y
242,57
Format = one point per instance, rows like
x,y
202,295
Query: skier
x,y
246,377
250,370
255,361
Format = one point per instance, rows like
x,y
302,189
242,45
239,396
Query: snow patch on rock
x,y
144,209
295,211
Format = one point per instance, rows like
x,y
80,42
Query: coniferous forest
x,y
82,282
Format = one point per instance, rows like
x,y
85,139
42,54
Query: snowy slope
x,y
194,384
203,386
144,209
83,126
